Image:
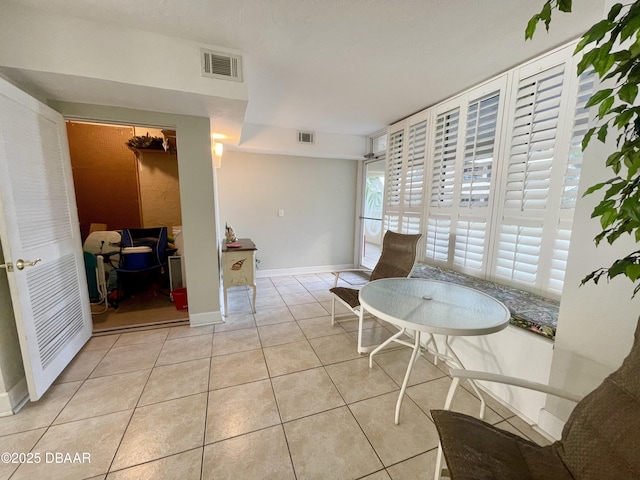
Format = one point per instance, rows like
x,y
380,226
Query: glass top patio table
x,y
434,306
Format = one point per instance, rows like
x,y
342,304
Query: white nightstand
x,y
239,268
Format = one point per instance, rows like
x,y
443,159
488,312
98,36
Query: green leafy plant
x,y
611,48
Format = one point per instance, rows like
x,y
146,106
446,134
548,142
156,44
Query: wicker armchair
x,y
600,441
397,259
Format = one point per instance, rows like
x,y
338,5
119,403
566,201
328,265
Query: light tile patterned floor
x,y
276,395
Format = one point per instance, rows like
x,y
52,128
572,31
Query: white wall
x,y
93,62
37,40
318,196
284,141
596,323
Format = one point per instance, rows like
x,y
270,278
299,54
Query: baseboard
x,y
279,272
13,400
550,424
206,318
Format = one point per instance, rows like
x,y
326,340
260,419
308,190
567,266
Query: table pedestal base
x,y
449,358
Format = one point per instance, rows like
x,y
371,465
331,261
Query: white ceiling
x,y
338,66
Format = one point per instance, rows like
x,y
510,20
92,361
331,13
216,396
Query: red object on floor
x,y
180,298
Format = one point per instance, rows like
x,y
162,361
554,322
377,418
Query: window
x,y
490,177
404,190
546,126
464,148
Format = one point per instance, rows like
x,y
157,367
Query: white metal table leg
x,y
361,349
483,403
414,354
385,343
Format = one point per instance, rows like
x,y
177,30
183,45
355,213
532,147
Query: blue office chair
x,y
142,250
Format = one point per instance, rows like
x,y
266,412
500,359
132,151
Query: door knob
x,y
20,264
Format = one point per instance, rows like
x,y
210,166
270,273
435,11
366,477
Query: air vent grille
x,y
305,137
221,65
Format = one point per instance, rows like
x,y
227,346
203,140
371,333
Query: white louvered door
x,y
39,219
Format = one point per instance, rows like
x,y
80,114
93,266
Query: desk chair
x,y
154,238
397,259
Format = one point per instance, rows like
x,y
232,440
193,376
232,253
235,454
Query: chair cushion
x,y
601,438
475,450
349,295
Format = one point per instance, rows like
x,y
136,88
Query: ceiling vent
x,y
305,137
221,65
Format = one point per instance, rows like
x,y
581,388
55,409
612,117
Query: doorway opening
x,y
126,179
371,216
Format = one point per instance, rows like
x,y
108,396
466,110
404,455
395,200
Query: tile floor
x,y
274,395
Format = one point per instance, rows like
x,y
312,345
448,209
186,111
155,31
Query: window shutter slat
x,y
518,252
437,239
414,176
480,139
533,140
444,159
394,169
470,242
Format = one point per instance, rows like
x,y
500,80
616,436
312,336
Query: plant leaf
x,y
623,119
613,13
614,189
608,217
605,107
564,5
594,188
545,14
599,30
602,132
587,138
603,207
631,27
599,96
531,27
633,272
618,267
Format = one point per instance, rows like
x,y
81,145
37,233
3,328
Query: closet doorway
x,y
126,177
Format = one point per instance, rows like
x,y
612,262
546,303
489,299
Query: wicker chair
x,y
397,259
600,441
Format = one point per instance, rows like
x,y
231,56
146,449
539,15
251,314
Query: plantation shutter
x,y
480,145
444,159
533,140
413,190
462,179
532,242
405,176
393,181
443,176
580,125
